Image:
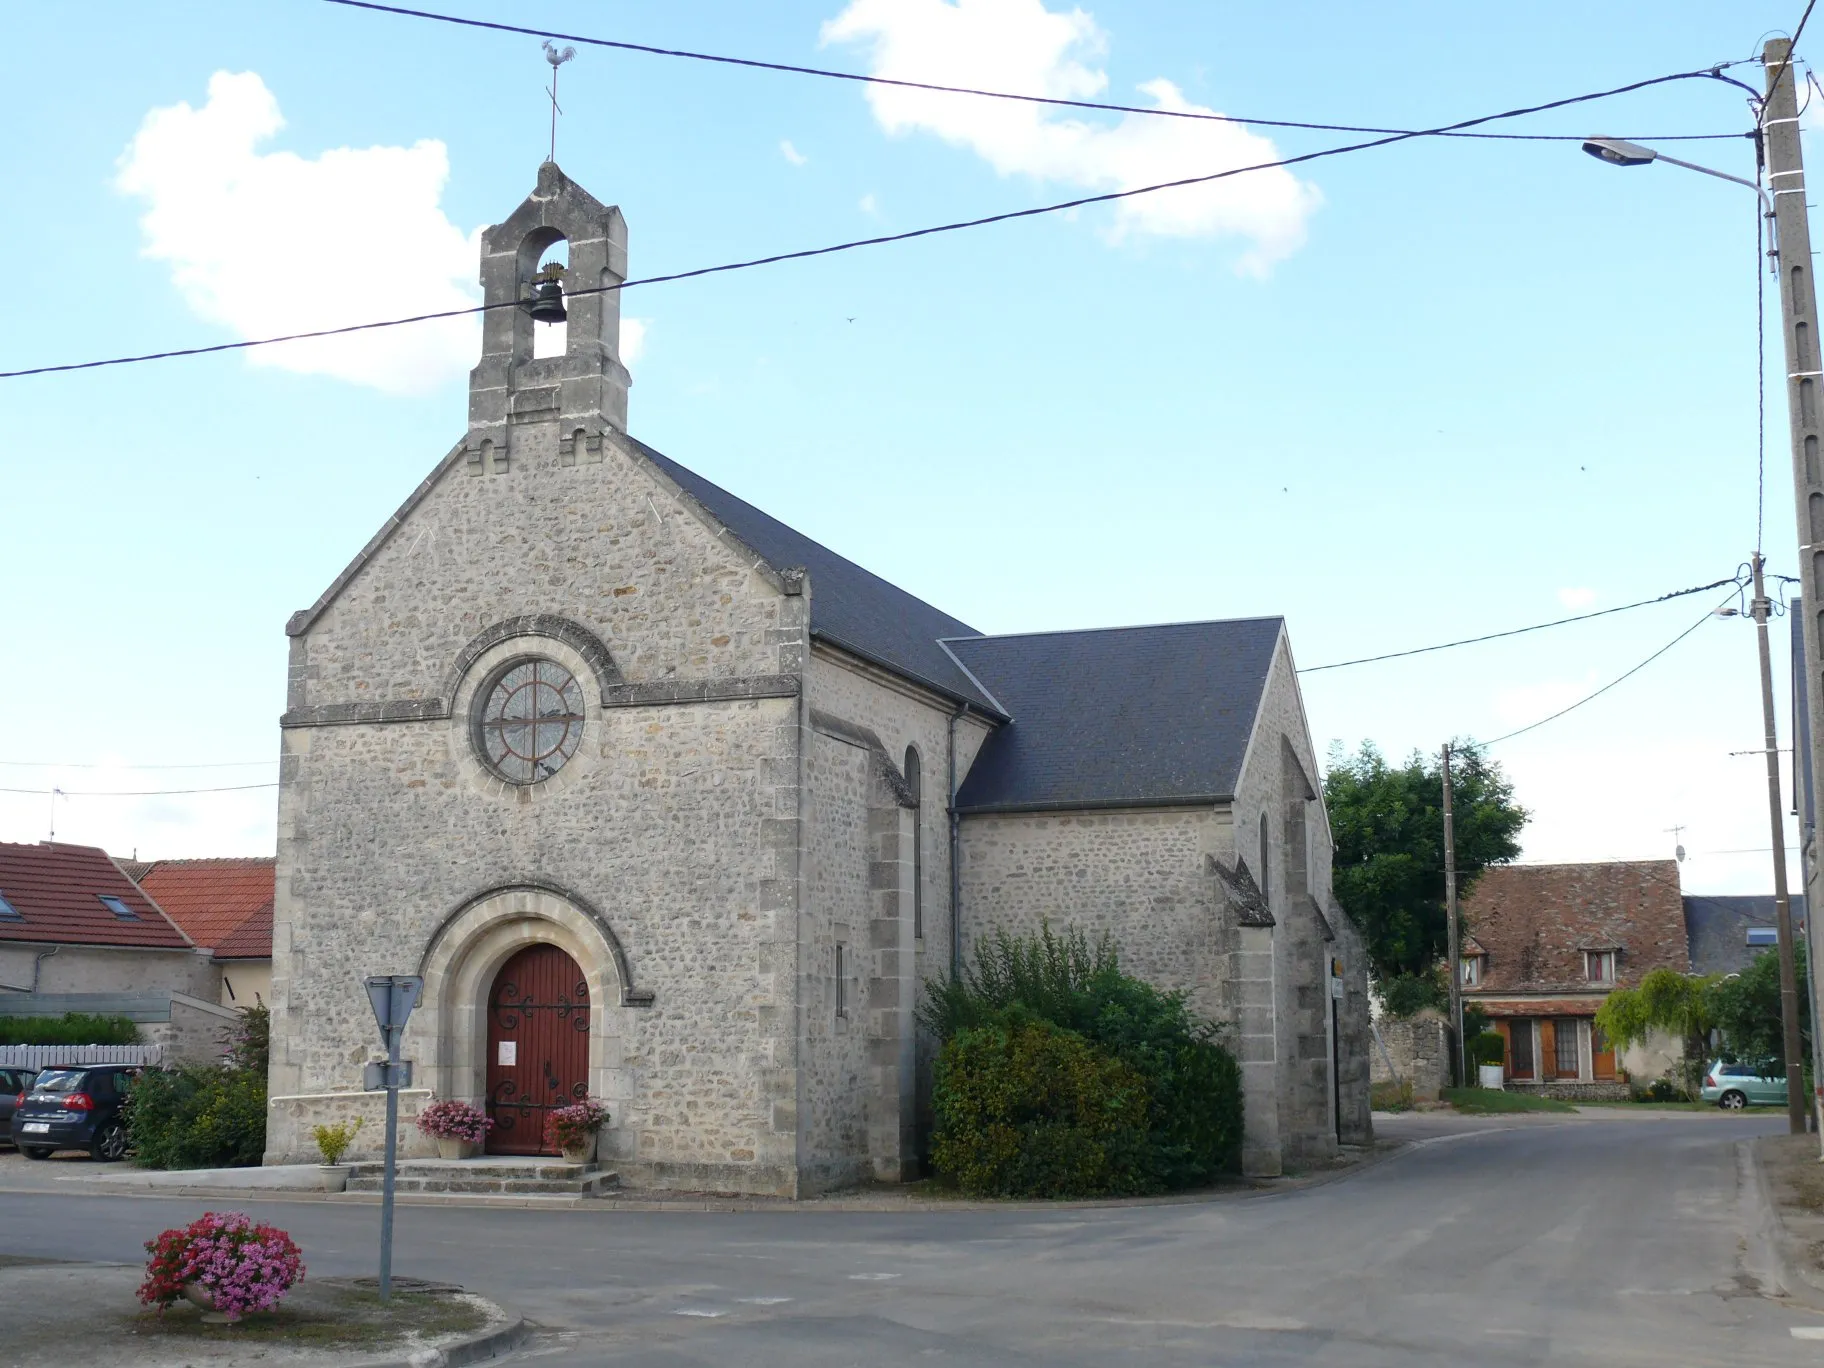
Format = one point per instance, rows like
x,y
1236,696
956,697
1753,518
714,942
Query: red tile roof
x,y
1534,923
220,903
57,891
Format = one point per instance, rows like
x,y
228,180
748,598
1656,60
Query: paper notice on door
x,y
509,1052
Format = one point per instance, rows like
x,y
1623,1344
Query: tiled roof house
x,y
1549,942
225,906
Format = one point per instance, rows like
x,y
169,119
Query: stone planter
x,y
457,1149
332,1177
1490,1075
199,1296
580,1154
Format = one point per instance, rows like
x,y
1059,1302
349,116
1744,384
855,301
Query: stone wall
x,y
1414,1051
676,826
106,969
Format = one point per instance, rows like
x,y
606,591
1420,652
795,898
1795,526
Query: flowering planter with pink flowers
x,y
223,1262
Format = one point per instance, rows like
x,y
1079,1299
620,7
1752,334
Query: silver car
x,y
13,1083
1734,1086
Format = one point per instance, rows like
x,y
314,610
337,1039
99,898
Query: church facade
x,y
674,807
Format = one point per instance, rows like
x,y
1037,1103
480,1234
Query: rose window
x,y
530,720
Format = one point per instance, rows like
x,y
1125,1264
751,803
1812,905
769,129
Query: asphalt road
x,y
1590,1242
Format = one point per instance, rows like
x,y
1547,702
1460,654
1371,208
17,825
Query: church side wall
x,y
860,851
1138,875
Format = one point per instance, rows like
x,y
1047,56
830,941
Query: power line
x,y
135,793
1521,631
1108,197
831,74
1533,726
103,764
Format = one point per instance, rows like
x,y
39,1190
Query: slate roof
x,y
1717,929
1535,921
215,900
1125,716
57,891
850,607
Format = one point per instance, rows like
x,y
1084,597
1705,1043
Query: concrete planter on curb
x,y
1490,1076
456,1149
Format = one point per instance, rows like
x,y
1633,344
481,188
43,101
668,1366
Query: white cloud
x,y
1577,599
868,204
633,338
790,153
1020,46
266,243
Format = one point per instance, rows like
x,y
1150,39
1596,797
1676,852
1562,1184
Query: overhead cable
x,y
935,87
1521,631
1082,202
1533,726
135,793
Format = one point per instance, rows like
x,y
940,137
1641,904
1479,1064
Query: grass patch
x,y
1390,1096
1488,1101
331,1315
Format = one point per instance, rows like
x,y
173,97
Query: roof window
x,y
117,907
7,911
1763,935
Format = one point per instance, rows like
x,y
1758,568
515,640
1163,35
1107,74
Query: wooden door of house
x,y
538,1046
1602,1056
1519,1033
1548,1049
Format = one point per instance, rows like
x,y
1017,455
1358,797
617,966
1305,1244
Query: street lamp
x,y
1620,152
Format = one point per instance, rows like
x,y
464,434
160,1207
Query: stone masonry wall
x,y
677,820
1138,875
1414,1051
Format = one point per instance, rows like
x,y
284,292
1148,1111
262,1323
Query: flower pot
x,y
1490,1075
456,1149
332,1177
199,1296
580,1154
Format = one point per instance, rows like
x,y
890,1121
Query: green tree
x,y
1388,870
1746,1009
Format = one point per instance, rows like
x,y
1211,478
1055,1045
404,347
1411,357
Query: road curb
x,y
1768,1229
479,1348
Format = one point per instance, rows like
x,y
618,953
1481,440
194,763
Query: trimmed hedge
x,y
198,1116
1192,1085
1488,1048
73,1028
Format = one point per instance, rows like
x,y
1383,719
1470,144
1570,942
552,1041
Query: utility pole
x,y
1455,952
1782,902
1799,330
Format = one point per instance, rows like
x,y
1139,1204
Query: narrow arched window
x,y
1266,895
915,783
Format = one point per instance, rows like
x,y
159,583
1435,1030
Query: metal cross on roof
x,y
557,57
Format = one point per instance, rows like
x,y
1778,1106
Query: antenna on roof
x,y
56,793
1678,848
557,57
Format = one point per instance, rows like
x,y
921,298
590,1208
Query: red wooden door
x,y
538,1046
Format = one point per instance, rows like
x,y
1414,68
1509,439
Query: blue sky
x,y
1404,396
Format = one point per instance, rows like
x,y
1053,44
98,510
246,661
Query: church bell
x,y
547,302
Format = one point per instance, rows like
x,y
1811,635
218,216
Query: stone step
x,y
466,1176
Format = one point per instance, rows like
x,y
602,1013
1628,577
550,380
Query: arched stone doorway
x,y
538,1046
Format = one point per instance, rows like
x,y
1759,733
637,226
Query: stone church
x,y
674,807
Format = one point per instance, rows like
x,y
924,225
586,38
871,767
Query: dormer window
x,y
1599,966
1472,970
117,907
7,911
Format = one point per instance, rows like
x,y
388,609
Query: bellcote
x,y
575,399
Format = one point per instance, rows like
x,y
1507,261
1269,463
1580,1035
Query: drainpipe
x,y
956,846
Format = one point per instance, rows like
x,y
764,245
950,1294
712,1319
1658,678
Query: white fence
x,y
52,1056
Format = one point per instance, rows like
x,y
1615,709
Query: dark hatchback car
x,y
75,1108
13,1082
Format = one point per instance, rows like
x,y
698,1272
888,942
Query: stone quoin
x,y
574,696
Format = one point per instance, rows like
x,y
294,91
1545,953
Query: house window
x,y
1472,970
1759,936
914,782
1566,1061
7,911
1599,965
117,907
1520,1047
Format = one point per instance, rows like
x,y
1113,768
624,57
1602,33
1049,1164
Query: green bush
x,y
73,1028
1193,1084
1027,1109
1488,1048
198,1116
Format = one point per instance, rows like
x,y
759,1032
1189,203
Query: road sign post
x,y
393,996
